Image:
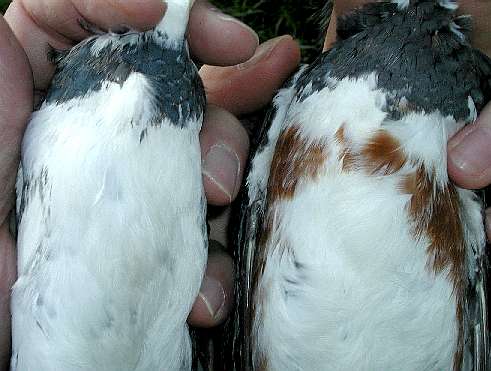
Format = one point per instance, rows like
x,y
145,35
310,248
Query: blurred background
x,y
4,4
301,19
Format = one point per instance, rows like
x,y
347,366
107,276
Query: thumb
x,y
469,153
15,108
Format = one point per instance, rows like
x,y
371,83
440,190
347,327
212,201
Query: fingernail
x,y
262,52
222,17
472,152
213,296
221,165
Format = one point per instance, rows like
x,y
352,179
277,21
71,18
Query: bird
x,y
112,236
355,250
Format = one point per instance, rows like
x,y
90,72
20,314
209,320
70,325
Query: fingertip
x,y
219,39
215,298
469,153
141,15
36,43
224,147
250,86
39,24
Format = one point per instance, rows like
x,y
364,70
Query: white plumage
x,y
344,273
357,252
112,238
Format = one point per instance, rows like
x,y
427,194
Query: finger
x,y
219,39
215,298
469,153
15,108
7,277
39,23
35,36
224,149
61,16
251,85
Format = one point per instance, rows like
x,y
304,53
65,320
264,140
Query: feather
x,y
352,233
112,240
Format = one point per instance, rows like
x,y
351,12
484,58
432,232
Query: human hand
x,y
469,151
469,160
214,39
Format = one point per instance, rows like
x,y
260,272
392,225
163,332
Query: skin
x,y
245,81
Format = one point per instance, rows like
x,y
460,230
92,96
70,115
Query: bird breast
x,y
358,253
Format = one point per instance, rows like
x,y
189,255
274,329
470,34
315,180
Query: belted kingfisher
x,y
357,252
112,241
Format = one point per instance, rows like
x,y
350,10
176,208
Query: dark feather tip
x,y
363,18
56,55
90,27
121,29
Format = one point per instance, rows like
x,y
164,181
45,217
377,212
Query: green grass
x,y
269,18
272,18
3,5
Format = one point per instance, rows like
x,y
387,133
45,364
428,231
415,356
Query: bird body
x,y
112,239
358,252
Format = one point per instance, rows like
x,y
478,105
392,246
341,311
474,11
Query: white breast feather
x,y
346,285
113,248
